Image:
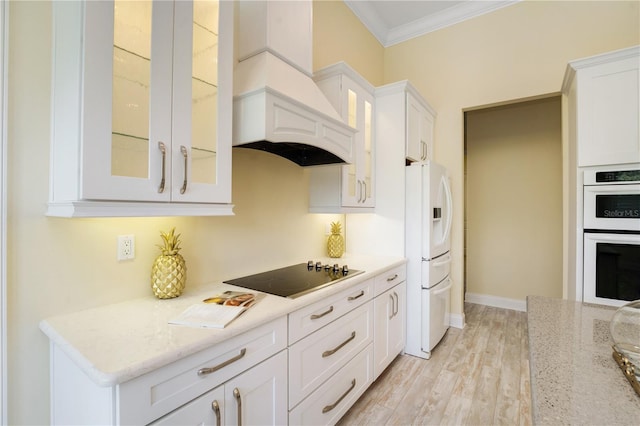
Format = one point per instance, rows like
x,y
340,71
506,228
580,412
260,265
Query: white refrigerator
x,y
428,240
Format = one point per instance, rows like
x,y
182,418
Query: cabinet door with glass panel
x,y
358,190
341,188
152,118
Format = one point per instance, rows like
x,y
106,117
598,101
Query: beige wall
x,y
513,53
338,34
513,202
63,265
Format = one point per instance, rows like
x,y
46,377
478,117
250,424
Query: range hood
x,y
277,106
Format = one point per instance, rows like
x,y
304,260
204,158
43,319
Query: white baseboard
x,y
496,301
456,320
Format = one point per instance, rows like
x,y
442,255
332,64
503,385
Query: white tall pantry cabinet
x,y
141,116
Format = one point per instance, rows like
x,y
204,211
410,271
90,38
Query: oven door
x,y
612,207
611,268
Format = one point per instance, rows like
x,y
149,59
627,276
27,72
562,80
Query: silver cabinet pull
x,y
209,370
359,190
396,305
337,348
236,395
389,279
364,193
328,408
393,306
327,312
183,150
215,406
350,298
163,150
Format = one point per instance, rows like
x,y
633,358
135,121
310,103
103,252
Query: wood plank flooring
x,y
476,376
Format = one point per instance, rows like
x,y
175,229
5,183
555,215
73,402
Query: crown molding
x,y
445,18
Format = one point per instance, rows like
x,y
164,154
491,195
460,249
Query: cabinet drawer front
x,y
331,400
389,279
154,394
310,318
316,357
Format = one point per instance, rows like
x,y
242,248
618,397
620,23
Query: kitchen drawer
x,y
310,318
154,394
331,401
390,278
315,358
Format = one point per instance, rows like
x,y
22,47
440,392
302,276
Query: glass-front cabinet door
x,y
358,190
155,85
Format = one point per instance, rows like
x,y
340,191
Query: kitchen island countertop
x,y
116,343
574,378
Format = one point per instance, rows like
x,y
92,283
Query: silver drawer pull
x,y
209,370
327,312
236,395
215,406
350,298
392,278
337,348
328,408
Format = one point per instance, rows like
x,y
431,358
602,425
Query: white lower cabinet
x,y
307,367
327,404
330,355
389,319
389,326
246,362
257,396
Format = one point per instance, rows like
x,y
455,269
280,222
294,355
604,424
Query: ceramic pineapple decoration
x,y
335,243
169,271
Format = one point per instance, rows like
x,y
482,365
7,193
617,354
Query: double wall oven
x,y
611,236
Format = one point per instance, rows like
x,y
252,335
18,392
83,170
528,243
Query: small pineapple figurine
x,y
169,271
335,243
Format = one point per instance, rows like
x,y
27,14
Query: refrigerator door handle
x,y
446,259
444,289
449,201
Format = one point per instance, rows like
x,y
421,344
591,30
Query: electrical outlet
x,y
126,247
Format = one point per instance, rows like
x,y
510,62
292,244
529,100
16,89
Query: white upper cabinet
x,y
405,117
142,100
604,107
351,187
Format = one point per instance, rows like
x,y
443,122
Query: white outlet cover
x,y
126,247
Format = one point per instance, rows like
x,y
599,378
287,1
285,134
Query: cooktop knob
x,y
310,265
336,268
345,270
318,266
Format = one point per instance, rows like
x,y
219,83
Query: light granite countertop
x,y
116,343
574,378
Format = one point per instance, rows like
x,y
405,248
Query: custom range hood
x,y
277,107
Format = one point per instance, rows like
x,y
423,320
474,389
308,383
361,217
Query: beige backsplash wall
x,y
62,265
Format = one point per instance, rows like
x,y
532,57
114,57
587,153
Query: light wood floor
x,y
476,376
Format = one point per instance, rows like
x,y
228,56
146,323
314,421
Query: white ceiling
x,y
395,21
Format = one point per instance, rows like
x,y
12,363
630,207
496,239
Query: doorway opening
x,y
513,202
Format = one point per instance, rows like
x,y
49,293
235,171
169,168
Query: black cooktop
x,y
296,280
